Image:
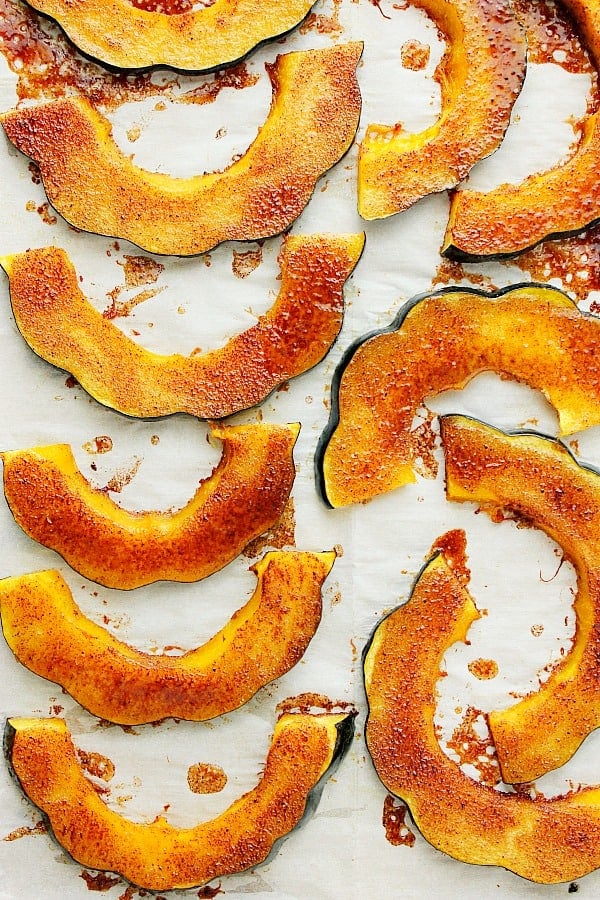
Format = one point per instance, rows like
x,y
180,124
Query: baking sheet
x,y
342,850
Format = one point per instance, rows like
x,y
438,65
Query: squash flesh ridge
x,y
313,118
55,505
49,634
61,326
560,201
535,335
196,41
544,840
539,480
398,169
158,856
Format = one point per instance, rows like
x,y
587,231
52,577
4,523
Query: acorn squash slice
x,y
246,494
544,840
49,634
121,35
312,122
157,856
530,333
558,202
62,327
480,77
537,479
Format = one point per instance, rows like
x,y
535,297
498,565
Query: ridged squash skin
x,y
63,327
480,78
561,201
264,639
544,840
313,118
529,333
538,480
120,35
245,495
158,856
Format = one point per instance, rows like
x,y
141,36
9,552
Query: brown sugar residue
x,y
100,882
483,669
423,439
245,263
282,534
574,260
207,892
474,750
310,702
27,830
537,630
321,24
122,308
551,36
123,477
45,215
236,78
140,270
96,764
48,66
169,7
397,831
450,272
206,778
453,545
414,55
102,443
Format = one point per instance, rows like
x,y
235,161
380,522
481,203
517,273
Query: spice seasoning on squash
x,y
530,333
62,327
245,495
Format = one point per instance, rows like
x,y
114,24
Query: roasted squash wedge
x,y
529,333
544,840
480,78
312,122
539,480
561,201
49,634
63,328
158,856
121,35
246,494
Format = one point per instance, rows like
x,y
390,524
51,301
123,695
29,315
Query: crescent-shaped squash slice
x,y
561,201
246,494
529,333
121,35
538,479
158,856
545,840
49,634
312,122
63,328
480,78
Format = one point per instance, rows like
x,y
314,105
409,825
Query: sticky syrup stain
x,y
207,892
424,441
393,819
237,78
96,764
140,270
123,477
475,750
102,443
244,263
575,261
310,702
282,534
552,36
122,308
100,882
453,545
26,830
483,669
414,55
206,778
450,272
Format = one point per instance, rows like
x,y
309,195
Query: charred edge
x,y
396,325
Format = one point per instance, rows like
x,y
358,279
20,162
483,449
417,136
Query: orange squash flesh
x,y
49,634
544,840
311,124
246,494
121,35
529,333
480,78
158,856
559,202
62,327
539,480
